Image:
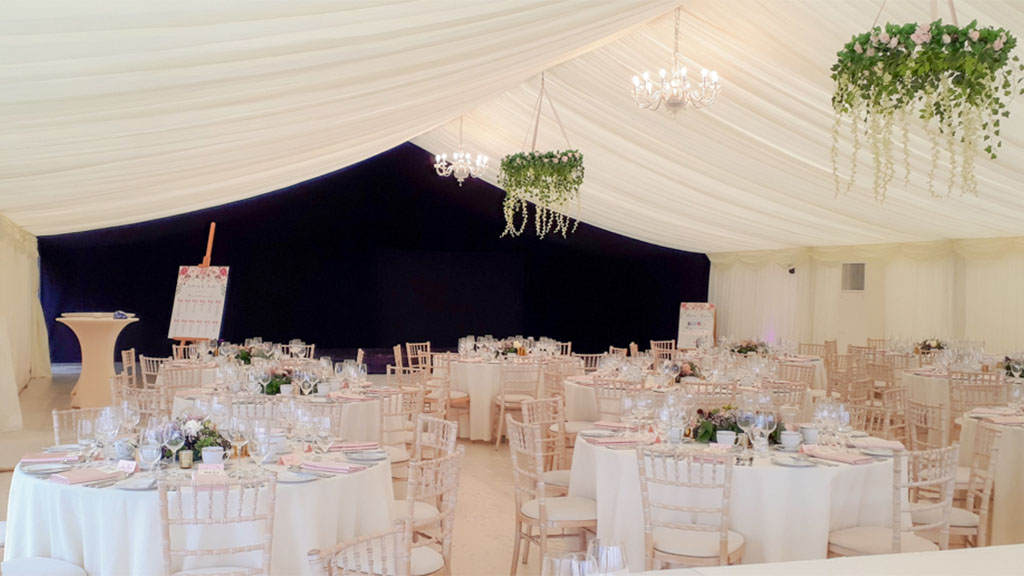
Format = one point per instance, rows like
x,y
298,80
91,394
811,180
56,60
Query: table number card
x,y
198,302
696,320
126,466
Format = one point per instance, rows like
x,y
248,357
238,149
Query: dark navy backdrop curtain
x,y
379,253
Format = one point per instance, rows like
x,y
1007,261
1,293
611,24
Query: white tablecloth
x,y
784,513
990,561
926,388
482,381
209,377
581,401
1008,509
117,532
359,420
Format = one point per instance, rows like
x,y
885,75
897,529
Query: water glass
x,y
570,564
606,559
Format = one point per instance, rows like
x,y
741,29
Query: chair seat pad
x,y
693,543
557,478
958,518
38,566
212,571
422,513
563,509
877,540
512,398
397,454
426,561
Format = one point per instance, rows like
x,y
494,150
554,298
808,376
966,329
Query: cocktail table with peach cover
x,y
784,513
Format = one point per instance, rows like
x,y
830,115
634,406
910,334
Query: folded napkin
x,y
611,425
993,411
355,446
84,475
878,443
813,451
346,396
1006,420
48,457
333,467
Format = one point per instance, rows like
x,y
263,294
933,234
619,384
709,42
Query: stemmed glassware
x,y
238,434
627,411
1016,367
130,415
151,444
87,438
174,439
746,419
260,443
107,425
606,559
324,435
567,564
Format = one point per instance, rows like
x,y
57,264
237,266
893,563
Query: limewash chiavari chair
x,y
928,425
441,380
554,375
223,505
565,348
150,368
969,390
184,351
662,350
900,361
786,393
807,349
398,355
178,377
860,350
436,480
711,395
534,508
858,416
618,351
801,373
398,411
128,366
118,382
65,423
360,354
831,351
883,377
381,553
889,420
609,392
927,471
677,529
257,408
878,343
633,349
316,409
417,354
549,415
519,383
153,403
590,361
437,435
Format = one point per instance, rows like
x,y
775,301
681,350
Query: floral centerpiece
x,y
199,433
956,80
688,369
931,344
550,180
710,422
278,378
246,354
748,346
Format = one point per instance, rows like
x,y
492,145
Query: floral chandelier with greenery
x,y
549,180
957,81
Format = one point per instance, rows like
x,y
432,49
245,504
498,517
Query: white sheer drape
x,y
24,352
948,289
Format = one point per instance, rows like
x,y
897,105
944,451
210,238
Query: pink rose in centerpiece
x,y
974,35
857,48
998,44
946,39
921,35
883,37
894,42
687,370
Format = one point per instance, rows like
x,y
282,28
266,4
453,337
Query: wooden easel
x,y
205,264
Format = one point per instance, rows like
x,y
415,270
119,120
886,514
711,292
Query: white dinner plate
x,y
292,477
136,483
45,469
883,452
64,448
597,433
792,462
781,448
367,455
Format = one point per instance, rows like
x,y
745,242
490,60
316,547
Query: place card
x,y
290,460
126,466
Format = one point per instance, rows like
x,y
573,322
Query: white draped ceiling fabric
x,y
125,111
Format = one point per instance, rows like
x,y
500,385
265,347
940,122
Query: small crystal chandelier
x,y
462,164
674,90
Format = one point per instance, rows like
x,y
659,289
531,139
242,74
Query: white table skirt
x,y
117,532
930,389
359,420
784,513
482,381
1008,504
209,378
990,561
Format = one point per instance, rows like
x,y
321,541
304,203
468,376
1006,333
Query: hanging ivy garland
x,y
957,81
549,180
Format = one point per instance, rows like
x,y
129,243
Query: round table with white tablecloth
x,y
925,385
112,532
581,400
784,513
482,381
1008,503
360,420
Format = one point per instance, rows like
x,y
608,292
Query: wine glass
x,y
263,376
305,383
87,438
606,559
628,410
1016,367
663,419
260,443
746,419
568,564
130,414
174,439
107,425
153,437
324,435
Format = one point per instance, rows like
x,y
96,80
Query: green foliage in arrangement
x,y
549,180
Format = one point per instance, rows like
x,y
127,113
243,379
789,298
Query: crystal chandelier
x,y
462,164
674,89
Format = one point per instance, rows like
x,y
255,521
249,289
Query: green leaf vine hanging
x,y
956,80
549,180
